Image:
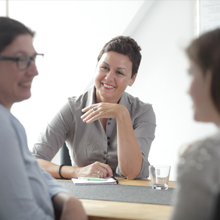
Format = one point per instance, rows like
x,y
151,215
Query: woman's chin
x,y
24,97
201,118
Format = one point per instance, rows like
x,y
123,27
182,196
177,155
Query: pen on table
x,y
91,178
115,179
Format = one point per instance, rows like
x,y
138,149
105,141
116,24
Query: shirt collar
x,y
125,101
91,96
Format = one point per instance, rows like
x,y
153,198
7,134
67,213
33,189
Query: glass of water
x,y
159,175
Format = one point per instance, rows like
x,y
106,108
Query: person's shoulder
x,y
4,113
8,123
210,143
136,101
215,139
202,155
136,104
6,117
72,106
79,101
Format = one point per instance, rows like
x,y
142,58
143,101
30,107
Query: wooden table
x,y
106,210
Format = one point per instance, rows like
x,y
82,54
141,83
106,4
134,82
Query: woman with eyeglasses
x,y
198,182
26,190
108,131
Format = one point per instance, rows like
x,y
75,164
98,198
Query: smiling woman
x,y
27,191
107,130
113,76
17,87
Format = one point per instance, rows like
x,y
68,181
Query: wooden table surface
x,y
106,210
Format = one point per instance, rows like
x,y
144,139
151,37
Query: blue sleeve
x,y
17,200
53,185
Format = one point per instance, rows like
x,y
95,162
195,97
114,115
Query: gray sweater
x,y
198,182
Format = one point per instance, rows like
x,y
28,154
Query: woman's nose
x,y
32,69
110,75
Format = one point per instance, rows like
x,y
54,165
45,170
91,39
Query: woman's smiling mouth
x,y
108,86
25,84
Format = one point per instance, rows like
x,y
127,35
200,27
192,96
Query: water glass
x,y
159,175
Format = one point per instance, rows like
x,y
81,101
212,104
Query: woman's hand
x,y
129,154
97,169
102,110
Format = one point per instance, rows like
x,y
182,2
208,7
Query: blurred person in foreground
x,y
26,190
198,182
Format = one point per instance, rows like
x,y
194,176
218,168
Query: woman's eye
x,y
120,73
104,68
21,59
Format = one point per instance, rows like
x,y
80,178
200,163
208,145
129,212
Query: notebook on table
x,y
94,181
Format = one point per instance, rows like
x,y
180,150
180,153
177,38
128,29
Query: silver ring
x,y
94,109
98,172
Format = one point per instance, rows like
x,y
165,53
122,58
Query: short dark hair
x,y
205,52
9,30
126,46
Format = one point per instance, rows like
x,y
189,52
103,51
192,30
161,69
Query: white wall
x,y
2,8
71,34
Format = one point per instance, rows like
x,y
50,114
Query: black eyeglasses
x,y
22,62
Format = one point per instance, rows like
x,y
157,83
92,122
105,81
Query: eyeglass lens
x,y
24,62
